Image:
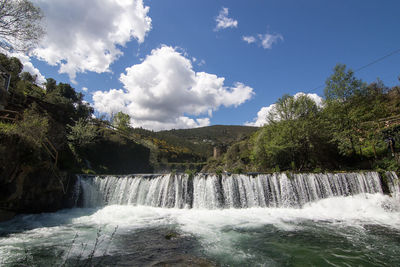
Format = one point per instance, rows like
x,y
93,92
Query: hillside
x,y
194,145
216,134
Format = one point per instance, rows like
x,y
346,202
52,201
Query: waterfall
x,y
208,191
393,184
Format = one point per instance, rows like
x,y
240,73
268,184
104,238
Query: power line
x,y
363,67
377,60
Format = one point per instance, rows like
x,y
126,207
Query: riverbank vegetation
x,y
356,127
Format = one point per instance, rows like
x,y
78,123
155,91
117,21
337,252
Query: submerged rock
x,y
171,235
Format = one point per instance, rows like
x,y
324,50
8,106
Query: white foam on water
x,y
216,229
359,209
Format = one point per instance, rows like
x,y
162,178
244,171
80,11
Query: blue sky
x,y
176,53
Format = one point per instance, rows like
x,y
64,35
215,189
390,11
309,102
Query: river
x,y
344,220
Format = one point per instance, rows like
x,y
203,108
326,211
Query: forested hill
x,y
193,145
212,135
217,134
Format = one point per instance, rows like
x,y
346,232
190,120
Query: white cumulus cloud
x,y
163,91
28,67
223,21
267,40
263,113
85,35
249,39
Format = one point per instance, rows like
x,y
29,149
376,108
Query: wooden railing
x,y
10,115
51,150
14,116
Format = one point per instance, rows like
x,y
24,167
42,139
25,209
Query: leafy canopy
x,y
121,121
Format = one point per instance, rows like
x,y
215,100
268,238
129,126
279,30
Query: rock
x,y
171,235
35,189
6,215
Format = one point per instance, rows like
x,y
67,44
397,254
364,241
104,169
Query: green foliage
x,y
27,87
51,85
88,171
348,131
342,84
291,108
56,123
82,133
276,169
189,145
63,92
121,121
13,66
7,128
68,100
317,170
33,127
216,134
354,110
292,165
258,154
213,164
294,137
190,172
342,92
173,172
387,164
289,175
238,170
237,157
26,76
112,153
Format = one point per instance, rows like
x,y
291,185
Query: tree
x,y
283,109
341,93
82,133
369,107
33,127
26,76
13,66
20,25
342,84
51,85
66,90
295,137
290,108
121,121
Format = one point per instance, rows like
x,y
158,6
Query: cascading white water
x,y
229,191
394,184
